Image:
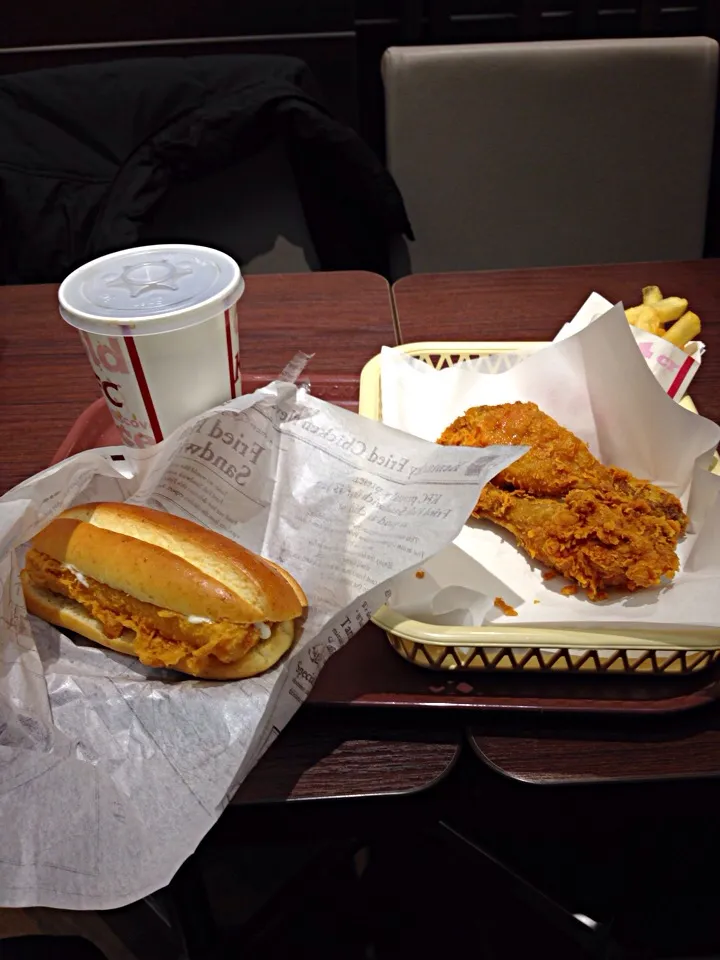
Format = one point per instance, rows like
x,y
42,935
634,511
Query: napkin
x,y
672,367
597,384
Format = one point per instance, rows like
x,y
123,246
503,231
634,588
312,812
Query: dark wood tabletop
x,y
46,381
330,753
532,305
341,318
626,751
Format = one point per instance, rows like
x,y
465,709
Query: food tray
x,y
527,649
367,673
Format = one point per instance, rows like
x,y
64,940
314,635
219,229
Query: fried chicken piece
x,y
600,526
557,462
662,501
593,537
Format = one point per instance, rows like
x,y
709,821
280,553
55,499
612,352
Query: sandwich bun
x,y
125,557
171,562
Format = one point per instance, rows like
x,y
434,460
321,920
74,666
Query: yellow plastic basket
x,y
528,648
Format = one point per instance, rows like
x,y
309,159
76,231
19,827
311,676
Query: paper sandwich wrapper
x,y
113,772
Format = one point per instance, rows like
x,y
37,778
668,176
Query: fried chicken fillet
x,y
202,644
597,525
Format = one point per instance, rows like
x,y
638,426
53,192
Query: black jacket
x,y
86,152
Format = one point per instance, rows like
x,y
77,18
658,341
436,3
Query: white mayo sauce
x,y
78,574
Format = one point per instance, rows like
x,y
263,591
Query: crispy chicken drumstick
x,y
597,525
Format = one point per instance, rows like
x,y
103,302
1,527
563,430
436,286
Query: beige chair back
x,y
552,153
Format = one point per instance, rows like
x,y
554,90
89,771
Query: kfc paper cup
x,y
160,327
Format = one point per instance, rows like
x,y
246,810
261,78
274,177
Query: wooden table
x,y
532,305
46,380
343,319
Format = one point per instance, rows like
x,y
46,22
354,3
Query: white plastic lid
x,y
151,289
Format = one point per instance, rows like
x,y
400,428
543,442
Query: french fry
x,y
645,317
669,309
652,295
686,328
656,312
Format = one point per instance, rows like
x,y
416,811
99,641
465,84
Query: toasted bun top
x,y
171,562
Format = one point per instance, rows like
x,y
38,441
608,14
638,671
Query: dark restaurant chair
x,y
252,210
48,948
234,151
552,153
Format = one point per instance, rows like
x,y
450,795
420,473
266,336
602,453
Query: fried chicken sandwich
x,y
162,589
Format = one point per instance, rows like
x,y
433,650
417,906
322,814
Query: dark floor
x,y
417,902
415,894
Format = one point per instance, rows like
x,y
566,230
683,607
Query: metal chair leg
x,y
596,940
